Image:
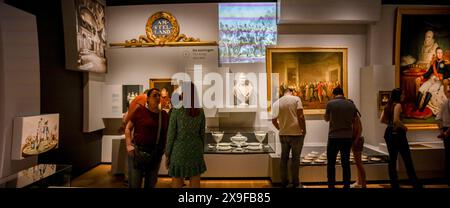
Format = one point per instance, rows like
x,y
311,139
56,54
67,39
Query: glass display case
x,y
39,176
239,141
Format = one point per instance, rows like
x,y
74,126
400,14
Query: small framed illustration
x,y
129,92
34,135
167,87
383,99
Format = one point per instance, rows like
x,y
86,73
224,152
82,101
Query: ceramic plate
x,y
253,144
253,148
375,159
242,145
224,148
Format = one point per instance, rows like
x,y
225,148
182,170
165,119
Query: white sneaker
x,y
355,185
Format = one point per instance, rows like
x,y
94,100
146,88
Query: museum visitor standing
x,y
396,141
146,133
290,121
185,144
357,149
444,123
341,113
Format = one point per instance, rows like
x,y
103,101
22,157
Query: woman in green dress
x,y
185,138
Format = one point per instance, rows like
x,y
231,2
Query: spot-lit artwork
x,y
34,135
312,74
422,60
85,35
245,29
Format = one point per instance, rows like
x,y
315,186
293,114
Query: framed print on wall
x,y
383,99
313,73
167,87
129,92
419,32
85,35
34,135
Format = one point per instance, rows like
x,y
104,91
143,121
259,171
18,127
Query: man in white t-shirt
x,y
290,121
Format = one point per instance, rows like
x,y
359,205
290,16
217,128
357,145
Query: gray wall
x,y
61,91
19,94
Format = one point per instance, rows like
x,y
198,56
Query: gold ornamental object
x,y
162,29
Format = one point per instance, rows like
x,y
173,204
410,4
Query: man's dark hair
x,y
338,91
151,90
289,89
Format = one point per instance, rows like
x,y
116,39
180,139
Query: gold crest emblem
x,y
162,29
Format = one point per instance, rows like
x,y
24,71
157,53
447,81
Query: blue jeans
x,y
135,176
296,144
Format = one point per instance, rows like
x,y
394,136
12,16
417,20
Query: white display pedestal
x,y
119,160
374,79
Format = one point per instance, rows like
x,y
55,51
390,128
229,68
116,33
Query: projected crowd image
x,y
245,29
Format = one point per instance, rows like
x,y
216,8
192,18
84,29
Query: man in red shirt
x,y
141,134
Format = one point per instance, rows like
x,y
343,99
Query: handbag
x,y
145,159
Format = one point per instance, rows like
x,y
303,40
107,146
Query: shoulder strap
x,y
159,128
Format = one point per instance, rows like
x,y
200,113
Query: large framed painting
x,y
313,73
166,86
34,135
85,35
422,50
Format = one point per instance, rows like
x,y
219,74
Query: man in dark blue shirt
x,y
340,112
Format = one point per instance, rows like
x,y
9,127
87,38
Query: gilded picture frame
x,y
418,32
312,71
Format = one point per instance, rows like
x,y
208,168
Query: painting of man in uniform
x,y
422,62
312,74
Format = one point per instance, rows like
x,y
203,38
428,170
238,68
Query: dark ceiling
x,y
139,2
